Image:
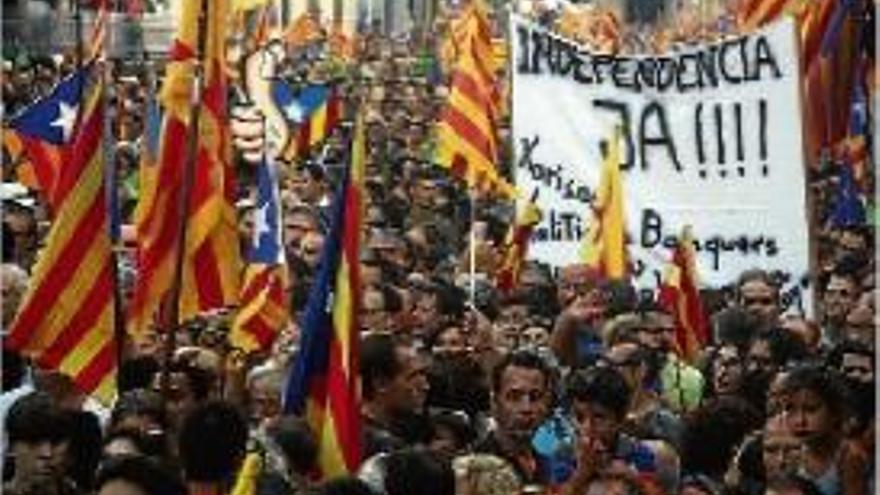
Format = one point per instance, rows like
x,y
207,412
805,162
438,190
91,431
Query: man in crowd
x,y
522,394
394,390
839,298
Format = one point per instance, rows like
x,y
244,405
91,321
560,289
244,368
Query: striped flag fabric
x,y
680,295
316,109
516,247
148,167
604,247
44,133
212,262
99,32
472,19
752,14
854,148
829,45
467,142
66,319
323,382
263,310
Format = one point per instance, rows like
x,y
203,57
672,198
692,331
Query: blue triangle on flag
x,y
52,119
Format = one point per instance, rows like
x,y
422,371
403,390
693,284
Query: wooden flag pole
x,y
173,302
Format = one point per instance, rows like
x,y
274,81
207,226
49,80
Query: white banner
x,y
712,139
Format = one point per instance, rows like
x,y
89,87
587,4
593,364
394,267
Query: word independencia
x,y
735,61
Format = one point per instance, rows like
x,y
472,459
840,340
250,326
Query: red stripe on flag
x,y
180,51
459,166
342,409
207,281
303,137
463,82
334,111
255,284
468,131
100,295
88,139
215,94
160,239
261,331
90,377
204,185
70,257
45,162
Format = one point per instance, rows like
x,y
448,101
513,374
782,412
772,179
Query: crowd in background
x,y
567,384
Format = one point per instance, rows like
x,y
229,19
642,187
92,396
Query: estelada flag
x,y
263,311
324,381
66,320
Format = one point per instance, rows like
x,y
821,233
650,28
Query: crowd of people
x,y
568,383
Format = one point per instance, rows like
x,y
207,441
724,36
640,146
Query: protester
x,y
522,393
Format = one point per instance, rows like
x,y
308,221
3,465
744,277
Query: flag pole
x,y
172,312
110,183
77,25
472,265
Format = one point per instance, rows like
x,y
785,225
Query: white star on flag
x,y
261,222
294,112
66,119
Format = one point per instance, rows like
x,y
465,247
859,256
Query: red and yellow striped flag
x,y
324,384
212,263
467,142
604,247
680,295
516,247
66,320
752,14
